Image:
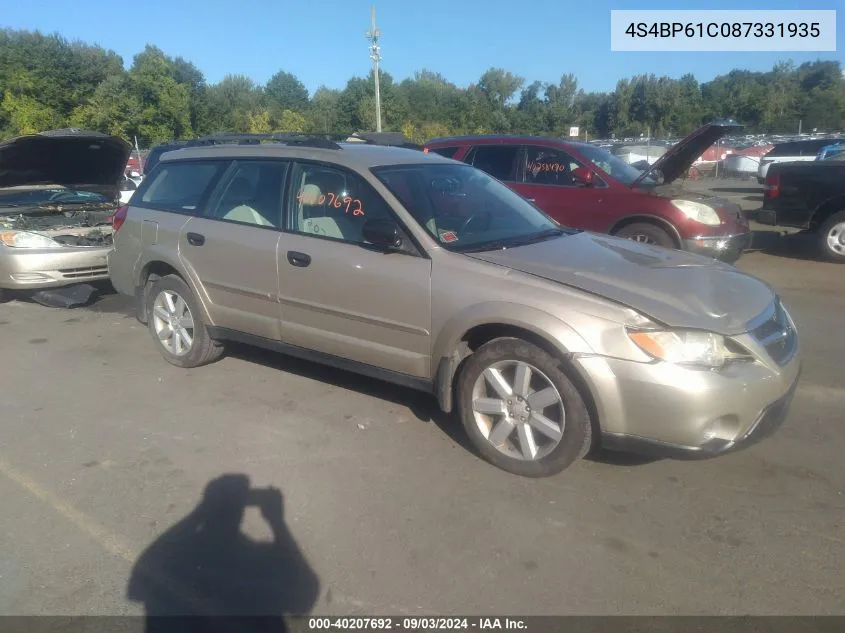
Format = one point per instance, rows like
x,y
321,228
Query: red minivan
x,y
586,187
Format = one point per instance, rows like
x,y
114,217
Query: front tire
x,y
832,238
175,323
647,234
521,411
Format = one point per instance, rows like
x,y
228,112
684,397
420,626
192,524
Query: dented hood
x,y
674,287
76,159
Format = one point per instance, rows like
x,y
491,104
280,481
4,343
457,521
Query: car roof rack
x,y
386,139
302,140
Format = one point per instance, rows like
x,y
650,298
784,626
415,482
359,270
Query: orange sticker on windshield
x,y
448,236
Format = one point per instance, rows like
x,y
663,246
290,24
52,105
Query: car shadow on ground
x,y
424,406
800,245
205,566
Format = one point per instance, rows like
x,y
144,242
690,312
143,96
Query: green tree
x,y
286,92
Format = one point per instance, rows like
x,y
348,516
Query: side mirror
x,y
582,176
382,233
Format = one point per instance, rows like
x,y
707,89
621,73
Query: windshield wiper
x,y
519,241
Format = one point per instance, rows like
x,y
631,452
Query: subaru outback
x,y
428,273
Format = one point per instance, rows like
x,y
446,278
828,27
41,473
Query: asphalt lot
x,y
104,447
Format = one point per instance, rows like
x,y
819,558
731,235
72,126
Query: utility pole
x,y
375,54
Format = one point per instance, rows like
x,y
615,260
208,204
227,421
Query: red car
x,y
584,186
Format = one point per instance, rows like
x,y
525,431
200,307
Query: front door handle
x,y
298,259
195,239
531,200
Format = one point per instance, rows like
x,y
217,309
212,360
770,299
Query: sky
x,y
323,43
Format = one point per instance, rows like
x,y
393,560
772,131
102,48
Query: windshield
x,y
613,166
464,209
48,196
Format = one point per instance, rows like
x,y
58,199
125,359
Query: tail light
x,y
771,188
425,150
119,216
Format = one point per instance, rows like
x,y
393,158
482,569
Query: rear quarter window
x,y
178,186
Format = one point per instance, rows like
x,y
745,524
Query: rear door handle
x,y
299,259
195,239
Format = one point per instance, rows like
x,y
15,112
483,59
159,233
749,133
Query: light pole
x,y
375,54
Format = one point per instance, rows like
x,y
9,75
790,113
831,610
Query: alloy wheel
x,y
173,323
518,410
836,238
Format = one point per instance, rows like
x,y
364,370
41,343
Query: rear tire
x,y
521,411
175,323
647,234
832,238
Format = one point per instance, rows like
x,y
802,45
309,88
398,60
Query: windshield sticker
x,y
349,205
448,236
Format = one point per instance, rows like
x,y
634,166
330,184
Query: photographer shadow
x,y
206,568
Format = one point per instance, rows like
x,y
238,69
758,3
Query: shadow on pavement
x,y
423,406
96,297
205,567
802,245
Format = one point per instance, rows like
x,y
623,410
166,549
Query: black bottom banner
x,y
525,624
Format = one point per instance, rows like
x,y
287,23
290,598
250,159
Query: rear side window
x,y
179,186
497,160
448,152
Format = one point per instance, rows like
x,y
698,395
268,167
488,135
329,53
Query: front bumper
x,y
33,269
670,411
726,248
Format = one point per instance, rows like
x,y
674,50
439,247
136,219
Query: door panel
x,y
351,302
344,297
232,247
236,267
548,183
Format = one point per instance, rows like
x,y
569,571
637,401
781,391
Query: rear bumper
x,y
33,269
726,248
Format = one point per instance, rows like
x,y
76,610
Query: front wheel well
x,y
152,271
480,335
648,219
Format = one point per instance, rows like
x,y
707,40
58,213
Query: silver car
x,y
58,192
426,272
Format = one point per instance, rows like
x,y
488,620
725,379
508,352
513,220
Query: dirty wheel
x,y
647,234
522,412
832,238
175,323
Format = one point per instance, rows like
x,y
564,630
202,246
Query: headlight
x,y
698,212
25,239
686,347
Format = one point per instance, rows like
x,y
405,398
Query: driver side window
x,y
332,203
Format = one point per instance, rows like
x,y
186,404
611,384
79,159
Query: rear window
x,y
179,186
799,148
448,152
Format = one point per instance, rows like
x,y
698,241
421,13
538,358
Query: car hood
x,y
76,159
673,287
680,157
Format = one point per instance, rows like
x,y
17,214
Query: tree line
x,y
48,82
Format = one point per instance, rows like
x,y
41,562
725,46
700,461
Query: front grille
x,y
777,335
86,272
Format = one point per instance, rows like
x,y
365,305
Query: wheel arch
x,y
825,210
647,218
467,332
157,268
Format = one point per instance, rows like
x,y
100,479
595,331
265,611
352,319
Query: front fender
x,y
447,353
